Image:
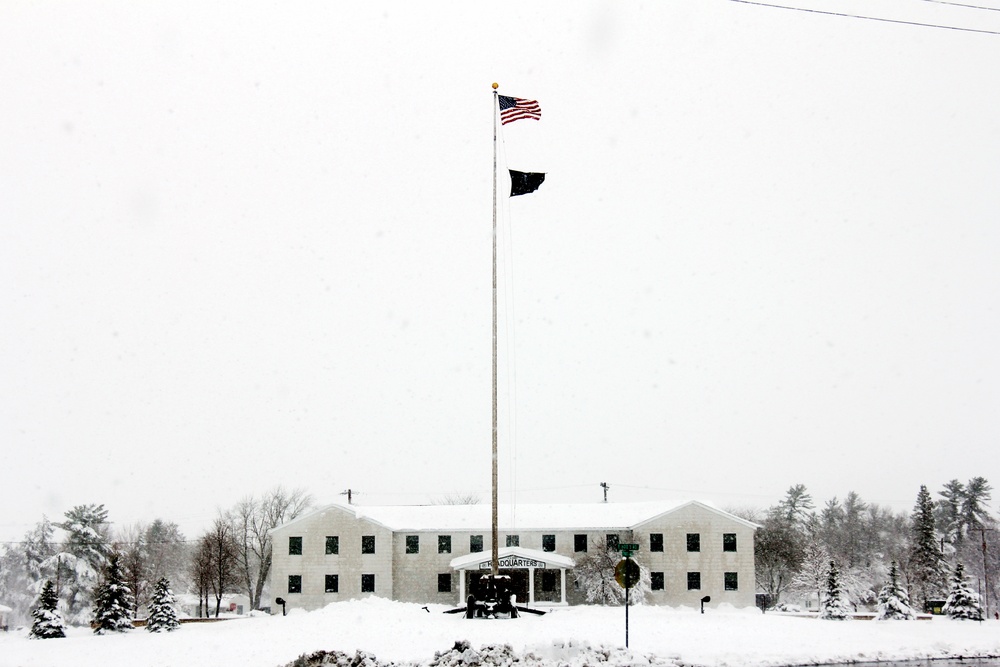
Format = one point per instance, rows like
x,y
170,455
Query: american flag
x,y
515,108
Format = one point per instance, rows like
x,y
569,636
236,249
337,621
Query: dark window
x,y
444,583
612,542
656,581
656,541
694,541
475,543
513,540
694,581
580,543
332,583
732,581
367,583
729,541
367,544
444,544
295,583
332,544
548,581
294,546
548,542
412,544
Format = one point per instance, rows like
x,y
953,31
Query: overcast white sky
x,y
248,244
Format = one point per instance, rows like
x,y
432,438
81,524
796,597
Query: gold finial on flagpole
x,y
495,85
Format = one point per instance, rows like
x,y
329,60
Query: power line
x,y
868,18
959,4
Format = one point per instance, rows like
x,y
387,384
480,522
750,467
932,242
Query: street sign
x,y
628,549
627,573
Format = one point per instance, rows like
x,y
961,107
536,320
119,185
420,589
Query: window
x,y
729,541
367,583
694,541
548,542
367,544
412,544
694,581
444,544
580,543
294,546
513,540
332,584
444,583
732,581
656,541
612,541
656,581
475,544
295,583
332,544
548,581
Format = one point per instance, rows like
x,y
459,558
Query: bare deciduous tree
x,y
252,520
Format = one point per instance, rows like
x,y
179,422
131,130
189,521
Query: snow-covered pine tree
x,y
834,606
113,602
162,615
893,600
48,623
963,602
926,563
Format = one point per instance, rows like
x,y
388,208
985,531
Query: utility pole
x,y
986,574
604,485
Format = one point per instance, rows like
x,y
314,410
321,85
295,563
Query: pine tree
x,y
114,601
893,600
48,623
963,602
977,498
834,606
926,562
948,512
162,615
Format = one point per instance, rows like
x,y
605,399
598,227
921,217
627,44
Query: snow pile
x,y
559,654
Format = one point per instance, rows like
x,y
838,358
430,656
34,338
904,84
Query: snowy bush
x,y
595,573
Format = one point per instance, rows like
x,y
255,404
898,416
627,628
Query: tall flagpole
x,y
496,547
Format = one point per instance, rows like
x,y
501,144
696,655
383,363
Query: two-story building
x,y
433,553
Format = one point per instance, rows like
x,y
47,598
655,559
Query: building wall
x,y
413,577
711,562
314,564
416,574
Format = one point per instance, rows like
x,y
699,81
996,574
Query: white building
x,y
432,553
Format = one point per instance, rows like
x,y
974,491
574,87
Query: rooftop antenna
x,y
348,494
604,485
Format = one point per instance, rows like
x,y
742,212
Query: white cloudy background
x,y
248,244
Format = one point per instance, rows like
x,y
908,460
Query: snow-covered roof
x,y
578,516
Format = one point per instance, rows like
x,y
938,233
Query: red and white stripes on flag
x,y
515,108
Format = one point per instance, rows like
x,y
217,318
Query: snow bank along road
x,y
406,633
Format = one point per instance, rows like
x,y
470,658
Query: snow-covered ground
x,y
575,636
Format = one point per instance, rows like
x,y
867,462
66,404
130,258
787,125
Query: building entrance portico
x,y
517,563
